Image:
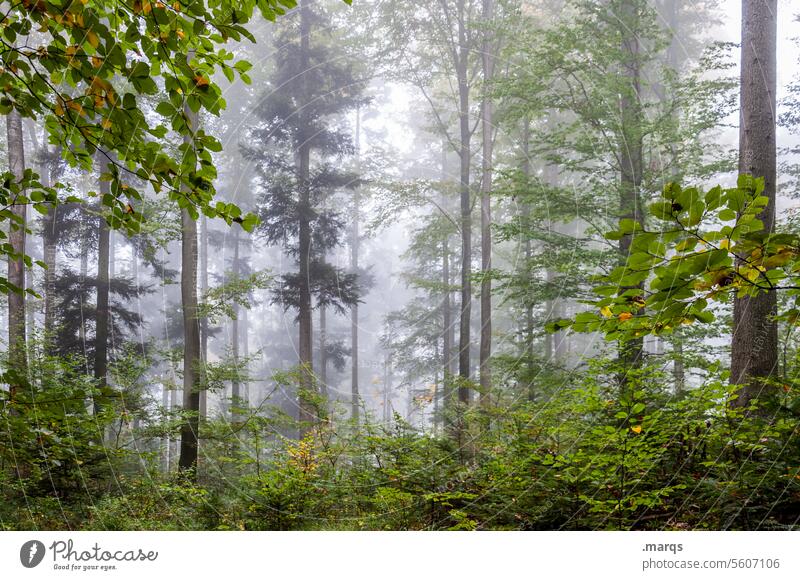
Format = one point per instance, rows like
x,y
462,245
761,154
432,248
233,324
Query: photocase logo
x,y
31,553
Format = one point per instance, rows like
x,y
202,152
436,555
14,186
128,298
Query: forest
x,y
400,265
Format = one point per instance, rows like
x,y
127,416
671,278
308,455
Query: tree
x,y
102,310
192,369
488,49
69,78
754,345
310,89
16,257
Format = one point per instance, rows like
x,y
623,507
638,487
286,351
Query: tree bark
x,y
305,406
50,253
466,207
528,330
631,164
204,320
323,351
486,211
354,247
17,353
754,348
447,309
191,328
236,394
102,282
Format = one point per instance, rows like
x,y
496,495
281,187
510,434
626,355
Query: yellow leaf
x,y
623,316
92,38
106,123
725,243
636,429
97,62
605,311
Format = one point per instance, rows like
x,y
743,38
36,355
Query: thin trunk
x,y
754,348
49,251
245,332
528,330
204,320
84,273
354,243
173,442
466,207
17,355
245,329
102,314
486,211
235,392
191,328
631,155
447,309
436,390
323,351
165,441
305,405
678,367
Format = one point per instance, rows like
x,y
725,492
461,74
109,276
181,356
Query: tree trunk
x,y
486,211
305,406
323,351
528,330
191,329
754,348
447,309
17,354
49,252
466,207
354,247
235,392
102,313
245,332
204,320
245,384
630,155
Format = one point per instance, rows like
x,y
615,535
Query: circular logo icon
x,y
31,553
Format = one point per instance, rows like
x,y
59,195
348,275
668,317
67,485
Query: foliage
x,y
711,246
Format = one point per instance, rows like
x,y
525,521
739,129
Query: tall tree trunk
x,y
447,309
245,331
17,354
486,209
528,330
236,394
631,156
323,351
354,247
754,348
466,206
165,439
191,328
83,275
102,314
204,320
305,406
49,252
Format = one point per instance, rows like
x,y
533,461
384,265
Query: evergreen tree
x,y
295,147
